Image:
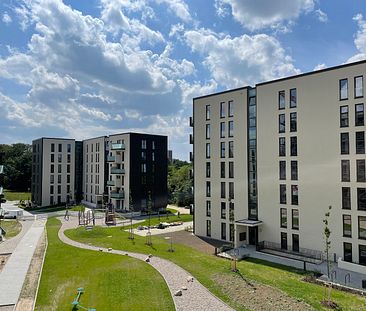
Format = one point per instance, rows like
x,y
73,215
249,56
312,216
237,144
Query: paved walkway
x,y
167,230
8,246
195,298
13,275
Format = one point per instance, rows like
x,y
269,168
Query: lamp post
x,y
170,244
148,234
131,235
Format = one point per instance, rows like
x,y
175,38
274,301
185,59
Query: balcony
x,y
118,147
191,121
110,183
117,195
191,156
111,159
115,170
191,139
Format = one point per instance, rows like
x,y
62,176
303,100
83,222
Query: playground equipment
x,y
110,215
86,218
76,302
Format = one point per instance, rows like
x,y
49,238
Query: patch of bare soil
x,y
257,297
3,259
28,293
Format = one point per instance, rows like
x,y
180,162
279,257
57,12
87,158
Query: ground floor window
x,y
208,228
295,243
223,231
347,252
362,254
284,240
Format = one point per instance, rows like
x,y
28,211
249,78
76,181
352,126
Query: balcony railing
x,y
118,147
191,139
117,195
111,159
115,170
110,183
303,252
191,121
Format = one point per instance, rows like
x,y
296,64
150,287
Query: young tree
x,y
327,234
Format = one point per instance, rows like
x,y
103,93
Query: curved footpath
x,y
195,298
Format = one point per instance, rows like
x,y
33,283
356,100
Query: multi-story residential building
x,y
53,171
110,169
278,154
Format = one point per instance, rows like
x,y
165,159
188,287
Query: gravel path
x,y
195,298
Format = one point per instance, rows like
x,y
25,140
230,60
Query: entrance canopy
x,y
249,223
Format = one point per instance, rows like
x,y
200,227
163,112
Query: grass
x,y
12,228
11,195
111,282
154,220
204,267
49,209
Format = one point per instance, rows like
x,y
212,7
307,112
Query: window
x,y
223,210
52,158
69,158
231,149
343,89
361,176
222,129
293,141
293,122
153,145
281,123
231,128
360,142
68,189
282,170
347,226
59,168
52,147
52,168
208,208
281,100
283,217
222,110
59,189
222,150
362,227
362,255
346,198
283,240
231,190
347,252
231,169
223,231
294,173
283,194
51,200
223,192
344,116
231,108
208,150
361,199
51,189
293,98
295,243
345,170
208,112
294,195
295,219
359,115
153,156
208,189
282,146
52,179
68,147
143,168
208,131
222,169
68,179
344,143
208,228
143,155
59,147
359,86
59,156
208,169
143,144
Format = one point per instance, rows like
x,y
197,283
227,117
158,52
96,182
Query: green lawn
x,y
12,227
163,218
11,195
204,267
49,209
111,282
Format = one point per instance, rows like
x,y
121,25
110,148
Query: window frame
x,y
361,177
293,146
294,172
355,86
362,237
293,103
222,110
346,198
361,192
344,140
282,170
347,233
344,116
283,194
360,142
359,115
282,147
294,195
340,89
345,174
281,103
282,123
283,217
295,226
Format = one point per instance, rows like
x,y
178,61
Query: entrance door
x,y
253,235
284,240
295,243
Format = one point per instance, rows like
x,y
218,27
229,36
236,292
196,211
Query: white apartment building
x,y
278,155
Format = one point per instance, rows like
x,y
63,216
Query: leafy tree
x,y
180,183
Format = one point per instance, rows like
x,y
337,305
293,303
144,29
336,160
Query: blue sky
x,y
88,68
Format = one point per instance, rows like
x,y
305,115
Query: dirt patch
x,y
257,297
3,259
28,293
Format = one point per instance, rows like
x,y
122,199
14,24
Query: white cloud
x,y
222,10
260,14
6,18
320,67
323,17
360,39
179,7
239,61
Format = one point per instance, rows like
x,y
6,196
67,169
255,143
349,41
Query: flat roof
x,y
223,92
249,222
